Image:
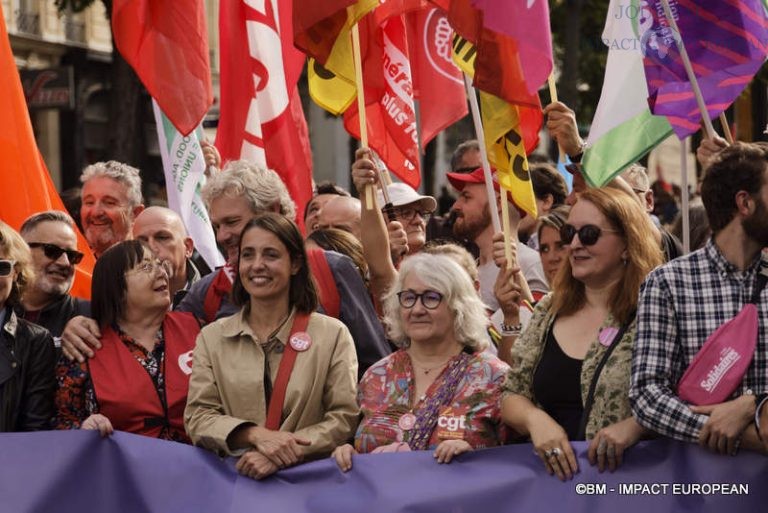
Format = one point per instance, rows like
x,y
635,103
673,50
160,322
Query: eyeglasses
x,y
588,234
6,267
431,299
53,252
409,213
150,266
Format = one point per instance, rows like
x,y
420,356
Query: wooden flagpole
x,y
553,97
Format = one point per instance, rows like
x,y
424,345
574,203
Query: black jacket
x,y
55,316
27,375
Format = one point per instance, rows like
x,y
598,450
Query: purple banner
x,y
727,42
77,472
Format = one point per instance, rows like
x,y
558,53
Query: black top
x,y
557,386
55,316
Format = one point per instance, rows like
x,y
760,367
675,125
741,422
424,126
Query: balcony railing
x,y
28,22
74,30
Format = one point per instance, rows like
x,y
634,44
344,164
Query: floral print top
x,y
385,395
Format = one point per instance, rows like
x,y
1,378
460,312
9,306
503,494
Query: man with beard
x,y
683,302
473,222
53,243
111,201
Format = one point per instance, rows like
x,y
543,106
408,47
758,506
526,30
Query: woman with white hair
x,y
441,390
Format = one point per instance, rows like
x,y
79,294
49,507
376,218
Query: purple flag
x,y
727,42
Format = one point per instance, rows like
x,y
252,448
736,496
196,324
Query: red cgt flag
x,y
438,83
166,43
24,181
261,116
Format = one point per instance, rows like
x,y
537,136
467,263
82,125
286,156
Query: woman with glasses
x,y
275,383
441,390
138,380
570,380
27,354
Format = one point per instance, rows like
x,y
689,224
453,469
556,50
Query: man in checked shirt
x,y
684,301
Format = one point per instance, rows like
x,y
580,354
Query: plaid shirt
x,y
681,304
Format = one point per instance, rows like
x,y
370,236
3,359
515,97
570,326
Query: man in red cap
x,y
473,222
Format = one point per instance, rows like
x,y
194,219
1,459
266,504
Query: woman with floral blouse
x,y
441,390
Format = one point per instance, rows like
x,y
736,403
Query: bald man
x,y
163,231
342,213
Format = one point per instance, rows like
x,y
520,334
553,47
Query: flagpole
x,y
364,125
472,96
689,70
686,209
553,97
726,128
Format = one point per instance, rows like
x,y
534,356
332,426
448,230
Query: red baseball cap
x,y
460,180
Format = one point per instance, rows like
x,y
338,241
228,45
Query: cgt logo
x,y
437,37
452,423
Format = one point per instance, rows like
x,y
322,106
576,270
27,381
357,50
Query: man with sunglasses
x,y
51,238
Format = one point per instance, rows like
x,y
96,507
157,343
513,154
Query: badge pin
x,y
407,421
607,335
300,341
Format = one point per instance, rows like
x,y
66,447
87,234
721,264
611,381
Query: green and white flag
x,y
623,129
184,168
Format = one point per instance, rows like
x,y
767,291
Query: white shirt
x,y
530,265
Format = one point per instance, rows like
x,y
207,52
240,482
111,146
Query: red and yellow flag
x,y
25,184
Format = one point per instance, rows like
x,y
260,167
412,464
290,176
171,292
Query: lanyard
x,y
275,407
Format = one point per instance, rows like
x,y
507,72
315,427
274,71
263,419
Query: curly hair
x,y
442,274
262,187
13,247
123,173
624,214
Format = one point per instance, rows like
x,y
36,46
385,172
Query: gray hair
x,y
637,177
123,173
43,217
461,149
442,274
262,187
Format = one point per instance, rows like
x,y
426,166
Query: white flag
x,y
184,168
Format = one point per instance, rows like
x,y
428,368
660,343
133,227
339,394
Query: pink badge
x,y
607,335
407,421
300,341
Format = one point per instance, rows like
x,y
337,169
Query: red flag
x,y
24,181
166,43
438,83
388,85
261,117
317,24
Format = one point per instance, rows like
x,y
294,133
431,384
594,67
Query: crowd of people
x,y
368,334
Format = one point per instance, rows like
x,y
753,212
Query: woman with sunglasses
x,y
441,390
138,380
27,354
274,383
571,378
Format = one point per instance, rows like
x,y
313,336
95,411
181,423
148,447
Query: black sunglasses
x,y
588,234
53,252
6,266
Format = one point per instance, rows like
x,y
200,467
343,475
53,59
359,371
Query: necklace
x,y
427,370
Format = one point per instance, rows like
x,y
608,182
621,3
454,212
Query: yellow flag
x,y
332,86
503,139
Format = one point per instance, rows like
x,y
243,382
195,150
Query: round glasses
x,y
430,299
150,266
588,234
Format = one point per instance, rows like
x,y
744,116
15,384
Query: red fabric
x,y
261,118
166,42
124,390
390,114
276,402
437,82
219,288
316,25
25,184
326,285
